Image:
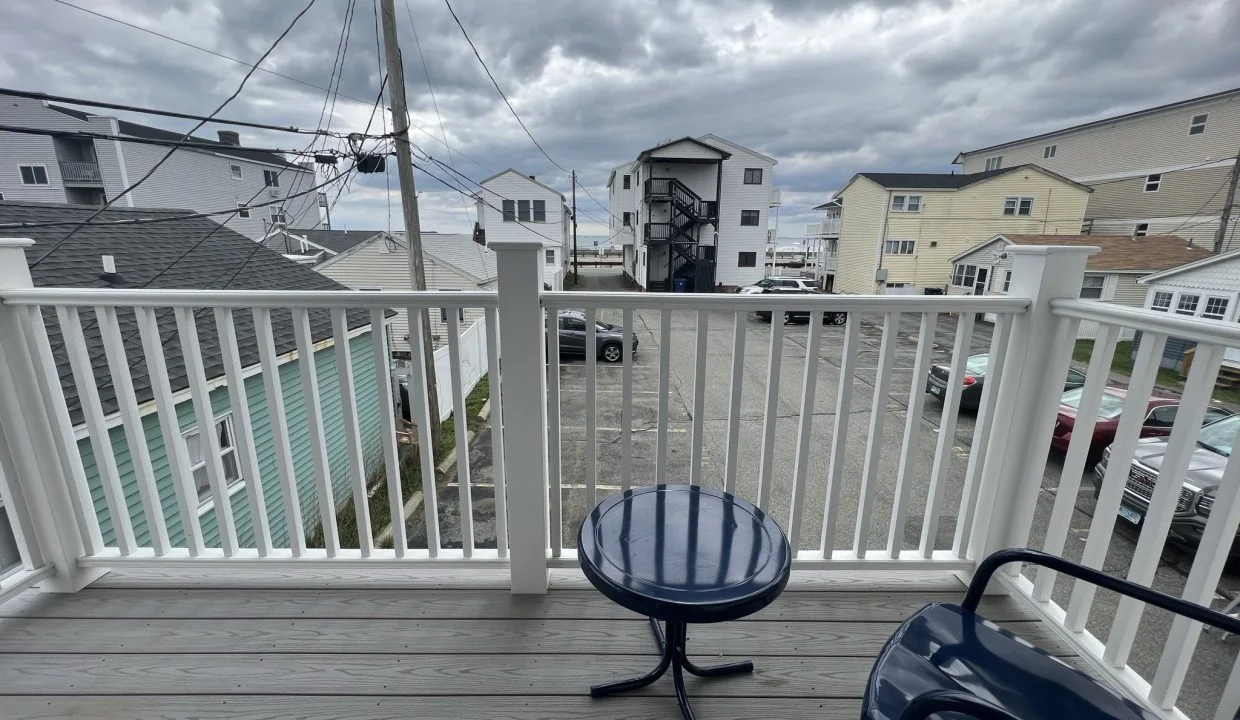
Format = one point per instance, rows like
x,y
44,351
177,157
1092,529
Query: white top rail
x,y
1180,326
249,298
811,302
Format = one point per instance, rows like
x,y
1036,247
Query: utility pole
x,y
409,202
576,268
1225,220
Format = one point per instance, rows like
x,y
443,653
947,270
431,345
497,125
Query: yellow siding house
x,y
899,231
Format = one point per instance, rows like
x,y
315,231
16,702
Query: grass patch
x,y
1123,363
410,478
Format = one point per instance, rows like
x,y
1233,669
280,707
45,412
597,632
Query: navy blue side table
x,y
683,554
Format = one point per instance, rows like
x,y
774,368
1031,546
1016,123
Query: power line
x,y
187,135
152,111
261,69
190,144
596,202
498,89
484,201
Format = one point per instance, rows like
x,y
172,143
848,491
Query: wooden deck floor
x,y
119,651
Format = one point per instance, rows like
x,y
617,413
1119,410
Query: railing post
x,y
1037,362
523,395
40,484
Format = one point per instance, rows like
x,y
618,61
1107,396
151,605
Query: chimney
x,y
532,177
229,137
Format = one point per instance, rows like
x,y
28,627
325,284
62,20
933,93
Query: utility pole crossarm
x,y
409,203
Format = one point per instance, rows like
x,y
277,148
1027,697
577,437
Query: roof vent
x,y
532,177
229,137
109,274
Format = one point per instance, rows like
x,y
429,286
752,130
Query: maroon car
x,y
1159,417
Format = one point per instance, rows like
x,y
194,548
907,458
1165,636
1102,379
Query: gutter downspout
x,y
882,240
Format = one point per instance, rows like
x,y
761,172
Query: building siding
x,y
1200,230
860,236
1150,141
553,233
1200,192
368,403
736,196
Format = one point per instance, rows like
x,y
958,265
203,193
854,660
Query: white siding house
x,y
381,262
1161,170
512,205
1208,288
698,209
90,171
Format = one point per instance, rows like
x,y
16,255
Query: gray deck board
x,y
375,652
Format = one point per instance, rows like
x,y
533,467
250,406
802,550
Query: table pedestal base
x,y
674,656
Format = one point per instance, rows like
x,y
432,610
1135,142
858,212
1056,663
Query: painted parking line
x,y
610,429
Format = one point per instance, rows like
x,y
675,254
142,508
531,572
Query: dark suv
x,y
802,316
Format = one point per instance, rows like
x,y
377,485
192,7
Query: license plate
x,y
936,390
1129,514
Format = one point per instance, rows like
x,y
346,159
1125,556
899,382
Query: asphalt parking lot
x,y
1214,657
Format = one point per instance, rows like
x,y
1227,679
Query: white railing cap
x,y
1053,249
15,242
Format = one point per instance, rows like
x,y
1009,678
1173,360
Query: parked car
x,y
792,283
608,338
975,378
1160,415
802,316
1196,498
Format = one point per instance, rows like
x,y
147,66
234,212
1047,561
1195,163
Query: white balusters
x,y
912,434
100,440
947,433
277,419
387,431
591,407
352,432
420,412
839,436
554,436
734,402
461,424
774,361
135,433
699,397
312,403
665,356
809,386
874,439
626,414
494,378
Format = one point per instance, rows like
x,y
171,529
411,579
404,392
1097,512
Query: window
x,y
1198,125
1152,182
906,203
628,219
994,163
1187,304
236,171
964,276
510,211
750,217
1216,308
523,210
1007,281
1162,416
550,256
747,259
197,447
1161,301
33,174
1092,285
1049,151
571,322
753,176
243,211
1141,230
628,182
899,247
712,209
540,211
1018,206
271,178
278,217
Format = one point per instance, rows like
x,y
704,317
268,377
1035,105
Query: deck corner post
x,y
1036,364
523,395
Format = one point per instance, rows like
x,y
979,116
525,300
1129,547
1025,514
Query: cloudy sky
x,y
827,87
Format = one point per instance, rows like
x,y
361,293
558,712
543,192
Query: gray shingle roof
x,y
930,181
225,260
336,240
461,252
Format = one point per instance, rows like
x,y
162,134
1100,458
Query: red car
x,y
1160,416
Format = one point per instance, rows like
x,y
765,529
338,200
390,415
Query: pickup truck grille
x,y
1141,483
1205,505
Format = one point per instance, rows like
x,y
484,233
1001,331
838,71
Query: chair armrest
x,y
1179,606
956,701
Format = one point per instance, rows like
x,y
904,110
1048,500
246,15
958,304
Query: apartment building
x,y
823,240
516,206
899,231
91,171
691,214
1159,171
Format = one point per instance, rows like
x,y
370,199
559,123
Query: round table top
x,y
684,553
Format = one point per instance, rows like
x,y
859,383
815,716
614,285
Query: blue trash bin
x,y
680,285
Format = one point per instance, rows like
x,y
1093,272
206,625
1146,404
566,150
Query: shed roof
x,y
1117,253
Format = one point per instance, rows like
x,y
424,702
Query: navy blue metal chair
x,y
948,662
